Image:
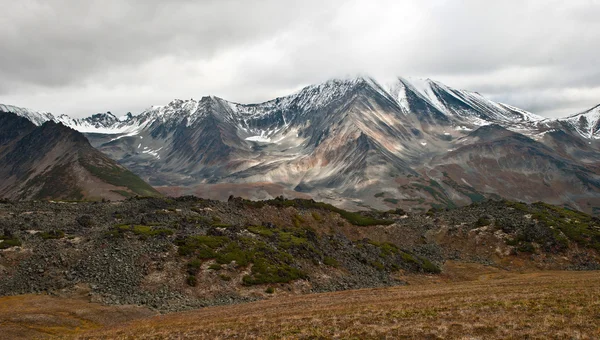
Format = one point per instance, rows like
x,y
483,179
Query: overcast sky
x,y
82,57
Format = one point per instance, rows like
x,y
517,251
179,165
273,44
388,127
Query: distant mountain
x,y
52,161
357,143
587,123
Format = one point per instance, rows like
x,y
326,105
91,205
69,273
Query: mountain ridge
x,y
356,144
53,161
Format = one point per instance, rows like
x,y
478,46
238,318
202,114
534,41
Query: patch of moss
x,y
269,264
482,222
202,245
330,261
316,216
8,242
141,230
233,252
221,225
386,248
215,266
352,217
378,265
194,266
264,271
297,221
560,226
290,239
192,280
261,230
429,267
52,235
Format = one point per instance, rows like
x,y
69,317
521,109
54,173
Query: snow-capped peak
x,y
36,117
413,96
586,123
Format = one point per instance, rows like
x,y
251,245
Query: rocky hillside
x,y
187,252
52,161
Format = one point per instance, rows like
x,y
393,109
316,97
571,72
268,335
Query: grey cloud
x,y
81,57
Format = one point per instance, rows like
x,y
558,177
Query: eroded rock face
x,y
174,254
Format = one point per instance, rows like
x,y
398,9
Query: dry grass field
x,y
495,305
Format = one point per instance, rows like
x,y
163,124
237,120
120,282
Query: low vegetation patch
x,y
354,218
553,228
330,261
393,258
144,231
269,264
52,234
119,176
8,241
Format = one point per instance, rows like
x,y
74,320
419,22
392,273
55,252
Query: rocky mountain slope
x,y
52,161
173,254
357,143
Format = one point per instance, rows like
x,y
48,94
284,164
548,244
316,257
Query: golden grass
x,y
39,316
560,305
496,305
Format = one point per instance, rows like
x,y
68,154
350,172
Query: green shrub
x,y
52,235
429,267
202,241
221,225
385,248
9,242
144,231
289,239
261,230
264,271
482,222
270,290
526,247
330,261
271,263
408,258
233,252
215,266
193,266
316,216
352,217
191,280
202,252
378,265
225,277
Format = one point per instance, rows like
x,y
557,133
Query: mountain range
x,y
52,161
355,143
